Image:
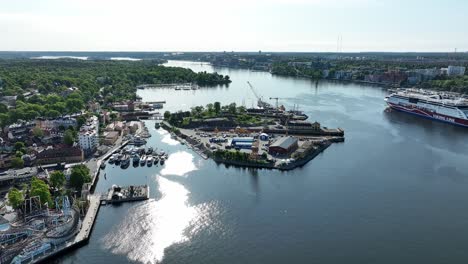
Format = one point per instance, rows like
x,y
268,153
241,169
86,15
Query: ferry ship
x,y
446,107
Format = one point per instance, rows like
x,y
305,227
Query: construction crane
x,y
253,90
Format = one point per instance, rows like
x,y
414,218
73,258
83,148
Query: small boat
x,y
143,160
156,160
149,151
125,161
136,159
118,159
103,165
112,158
157,125
178,88
162,153
149,161
161,161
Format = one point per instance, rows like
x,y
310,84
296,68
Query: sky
x,y
236,25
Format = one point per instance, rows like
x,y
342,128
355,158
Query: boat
x,y
178,88
103,165
149,151
143,160
441,106
136,159
149,161
113,158
157,125
161,161
118,159
125,161
138,141
156,160
162,153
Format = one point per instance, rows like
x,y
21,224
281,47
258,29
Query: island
x,y
263,137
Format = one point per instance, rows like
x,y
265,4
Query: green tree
x,y
37,132
217,107
81,120
41,189
4,120
232,108
79,176
167,115
57,179
17,162
15,198
19,146
68,137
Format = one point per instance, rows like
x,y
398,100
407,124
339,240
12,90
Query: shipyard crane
x,y
275,98
253,90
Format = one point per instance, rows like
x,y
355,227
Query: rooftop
x,y
284,142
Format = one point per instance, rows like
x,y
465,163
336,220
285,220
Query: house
x,y
110,137
284,145
60,154
5,160
20,130
88,137
455,70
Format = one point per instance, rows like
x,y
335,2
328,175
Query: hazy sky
x,y
238,25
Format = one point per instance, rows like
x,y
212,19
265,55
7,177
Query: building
x,y
283,146
242,142
65,122
20,130
5,160
88,137
455,70
304,125
58,155
111,137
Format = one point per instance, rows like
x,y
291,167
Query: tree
x,y
232,108
68,138
79,176
41,189
57,179
37,132
17,162
167,115
81,120
19,146
217,107
15,198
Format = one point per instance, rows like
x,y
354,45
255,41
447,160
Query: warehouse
x,y
284,145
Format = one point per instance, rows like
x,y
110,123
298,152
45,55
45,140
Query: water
x,y
394,192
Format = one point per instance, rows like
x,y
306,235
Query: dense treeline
x,y
106,81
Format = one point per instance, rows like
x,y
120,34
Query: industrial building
x,y
284,145
242,142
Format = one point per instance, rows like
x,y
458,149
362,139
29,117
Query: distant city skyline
x,y
242,25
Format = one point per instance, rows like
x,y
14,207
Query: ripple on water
x,y
149,228
166,138
179,163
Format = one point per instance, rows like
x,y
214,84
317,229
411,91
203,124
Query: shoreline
x,y
206,153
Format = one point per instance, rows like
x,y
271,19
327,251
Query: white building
x,y
88,138
455,70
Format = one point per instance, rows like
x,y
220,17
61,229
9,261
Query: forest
x,y
50,88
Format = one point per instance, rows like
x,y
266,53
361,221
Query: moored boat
x,y
441,106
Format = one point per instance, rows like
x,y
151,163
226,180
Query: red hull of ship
x,y
430,115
